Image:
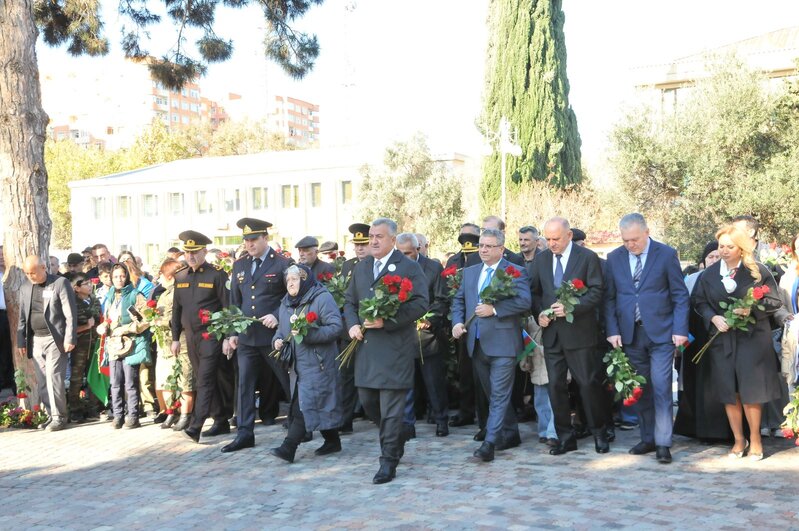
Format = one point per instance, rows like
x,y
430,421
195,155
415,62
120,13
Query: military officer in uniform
x,y
201,286
349,394
309,255
257,286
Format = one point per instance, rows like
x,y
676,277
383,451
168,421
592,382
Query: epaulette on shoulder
x,y
217,267
181,268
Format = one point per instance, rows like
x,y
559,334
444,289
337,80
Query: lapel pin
x,y
392,267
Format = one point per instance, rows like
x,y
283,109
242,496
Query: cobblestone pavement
x,y
93,477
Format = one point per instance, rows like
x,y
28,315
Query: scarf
x,y
727,275
307,281
129,295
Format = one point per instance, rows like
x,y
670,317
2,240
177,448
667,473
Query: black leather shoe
x,y
663,455
480,435
485,452
385,474
169,421
642,448
329,447
308,436
283,452
220,427
610,433
161,417
512,442
442,430
457,421
193,434
269,422
408,431
581,432
601,444
117,423
182,423
345,428
239,443
569,444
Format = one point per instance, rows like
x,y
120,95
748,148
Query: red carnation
x,y
311,317
393,288
766,289
630,401
36,408
223,254
387,280
403,296
406,285
95,281
151,304
448,272
787,433
320,276
332,256
328,276
512,271
206,336
22,395
176,404
205,316
637,392
169,411
757,293
578,284
341,253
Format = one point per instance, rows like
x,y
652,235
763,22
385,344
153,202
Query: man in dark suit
x,y
47,332
349,393
646,313
202,286
308,248
493,339
384,359
570,347
429,359
256,287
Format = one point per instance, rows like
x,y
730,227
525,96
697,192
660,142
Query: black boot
x,y
285,452
331,445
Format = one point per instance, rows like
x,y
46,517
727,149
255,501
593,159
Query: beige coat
x,y
535,363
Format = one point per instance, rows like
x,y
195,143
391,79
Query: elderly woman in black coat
x,y
316,390
743,368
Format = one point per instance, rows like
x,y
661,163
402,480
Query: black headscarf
x,y
307,281
709,248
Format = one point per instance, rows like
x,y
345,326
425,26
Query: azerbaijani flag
x,y
687,344
529,345
98,376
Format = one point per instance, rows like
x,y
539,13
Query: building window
x,y
98,207
176,204
290,196
260,200
152,255
316,195
346,192
231,200
149,205
175,118
227,241
184,119
123,206
204,205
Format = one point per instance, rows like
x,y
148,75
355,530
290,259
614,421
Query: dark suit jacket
x,y
320,267
583,264
500,334
430,338
662,296
60,313
259,294
384,359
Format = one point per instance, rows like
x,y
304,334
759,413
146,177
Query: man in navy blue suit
x,y
493,339
646,313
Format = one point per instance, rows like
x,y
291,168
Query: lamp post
x,y
506,140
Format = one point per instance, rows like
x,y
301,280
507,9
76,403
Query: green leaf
x,y
619,386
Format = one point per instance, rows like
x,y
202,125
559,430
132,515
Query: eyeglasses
x,y
487,246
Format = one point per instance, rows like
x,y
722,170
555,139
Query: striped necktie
x,y
636,282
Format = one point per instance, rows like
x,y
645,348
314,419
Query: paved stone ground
x,y
93,477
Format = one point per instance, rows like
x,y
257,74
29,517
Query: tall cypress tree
x,y
526,82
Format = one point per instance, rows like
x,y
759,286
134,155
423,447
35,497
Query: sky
x,y
389,68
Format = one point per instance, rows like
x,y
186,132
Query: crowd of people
x,y
499,337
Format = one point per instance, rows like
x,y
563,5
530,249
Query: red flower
x,y
151,304
176,404
637,392
512,271
332,256
341,253
169,411
406,285
107,320
205,316
392,288
787,433
311,317
630,401
36,408
757,293
22,395
223,254
448,272
403,296
578,284
206,336
387,280
95,281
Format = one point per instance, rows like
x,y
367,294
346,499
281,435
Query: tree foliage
x,y
419,193
526,82
729,149
78,24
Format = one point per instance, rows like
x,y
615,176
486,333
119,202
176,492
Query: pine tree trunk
x,y
23,178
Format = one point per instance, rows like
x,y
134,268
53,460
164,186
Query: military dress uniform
x,y
257,286
203,289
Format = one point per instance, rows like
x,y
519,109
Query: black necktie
x,y
558,271
257,262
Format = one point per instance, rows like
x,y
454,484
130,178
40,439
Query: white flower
x,y
729,284
292,319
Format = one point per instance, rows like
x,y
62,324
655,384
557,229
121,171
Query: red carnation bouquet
x,y
735,321
454,277
228,321
622,378
567,295
390,292
324,278
153,314
500,288
301,323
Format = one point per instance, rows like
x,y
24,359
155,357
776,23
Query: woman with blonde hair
x,y
743,371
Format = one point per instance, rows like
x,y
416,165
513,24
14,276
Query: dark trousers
x,y
434,375
385,408
270,390
78,360
349,393
254,361
124,377
213,375
6,355
585,367
297,426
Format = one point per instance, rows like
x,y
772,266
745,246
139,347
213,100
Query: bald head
x,y
34,269
558,234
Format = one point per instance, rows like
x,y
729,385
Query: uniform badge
x,y
392,267
240,276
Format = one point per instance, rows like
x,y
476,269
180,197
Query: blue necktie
x,y
377,269
636,281
486,282
558,271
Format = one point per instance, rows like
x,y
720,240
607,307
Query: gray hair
x,y
471,228
494,233
529,229
632,219
563,222
422,239
408,237
296,271
390,223
497,219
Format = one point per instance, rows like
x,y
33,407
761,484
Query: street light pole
x,y
507,146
